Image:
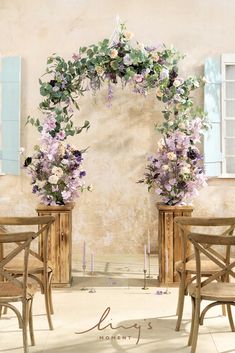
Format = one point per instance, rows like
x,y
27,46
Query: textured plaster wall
x,y
117,215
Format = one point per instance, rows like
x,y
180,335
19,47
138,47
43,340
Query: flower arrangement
x,y
175,171
55,167
56,173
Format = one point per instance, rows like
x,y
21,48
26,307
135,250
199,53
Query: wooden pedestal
x,y
169,241
60,242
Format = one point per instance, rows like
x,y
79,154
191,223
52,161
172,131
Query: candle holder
x,y
92,289
84,273
149,276
144,287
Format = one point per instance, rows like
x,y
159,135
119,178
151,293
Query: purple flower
x,y
61,135
35,189
49,123
164,74
82,174
138,78
76,57
127,60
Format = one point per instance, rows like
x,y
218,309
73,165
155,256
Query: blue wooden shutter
x,y
10,114
212,105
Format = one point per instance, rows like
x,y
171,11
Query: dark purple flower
x,y
35,189
82,174
192,154
27,162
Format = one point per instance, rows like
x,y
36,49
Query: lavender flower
x,y
176,171
127,60
53,180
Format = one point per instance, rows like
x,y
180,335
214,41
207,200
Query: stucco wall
x,y
117,215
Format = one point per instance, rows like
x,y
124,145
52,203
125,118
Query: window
x,y
213,138
10,72
228,114
219,103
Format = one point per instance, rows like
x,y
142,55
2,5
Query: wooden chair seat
x,y
207,266
10,292
217,249
34,265
186,267
38,267
17,289
215,291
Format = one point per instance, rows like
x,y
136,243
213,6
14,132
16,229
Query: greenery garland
x,y
145,68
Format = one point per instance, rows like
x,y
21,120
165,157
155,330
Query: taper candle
x,y
145,258
84,254
148,243
92,262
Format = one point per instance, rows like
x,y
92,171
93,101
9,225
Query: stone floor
x,y
153,315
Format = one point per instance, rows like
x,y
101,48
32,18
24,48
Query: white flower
x,y
161,144
140,46
113,53
40,183
53,179
99,70
170,123
182,125
57,171
165,167
178,82
204,80
196,83
171,156
61,149
185,170
128,35
22,149
155,56
65,161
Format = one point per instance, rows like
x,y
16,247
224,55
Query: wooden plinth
x,y
60,242
169,241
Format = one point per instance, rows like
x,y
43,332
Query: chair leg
x,y
50,276
5,310
195,326
180,305
223,310
192,321
25,327
47,303
230,317
31,323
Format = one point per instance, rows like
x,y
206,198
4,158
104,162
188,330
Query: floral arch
x,y
175,171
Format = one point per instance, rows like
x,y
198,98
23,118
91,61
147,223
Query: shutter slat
x,y
10,114
212,105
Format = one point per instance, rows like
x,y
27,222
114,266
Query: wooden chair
x,y
13,289
186,267
212,288
39,267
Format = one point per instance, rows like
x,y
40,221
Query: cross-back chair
x,y
13,289
211,288
39,268
186,267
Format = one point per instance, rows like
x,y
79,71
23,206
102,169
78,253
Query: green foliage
x,y
145,68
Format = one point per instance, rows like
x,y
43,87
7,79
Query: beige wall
x,y
116,216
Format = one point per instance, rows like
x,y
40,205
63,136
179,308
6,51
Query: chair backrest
x,y
22,242
203,245
185,223
43,223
